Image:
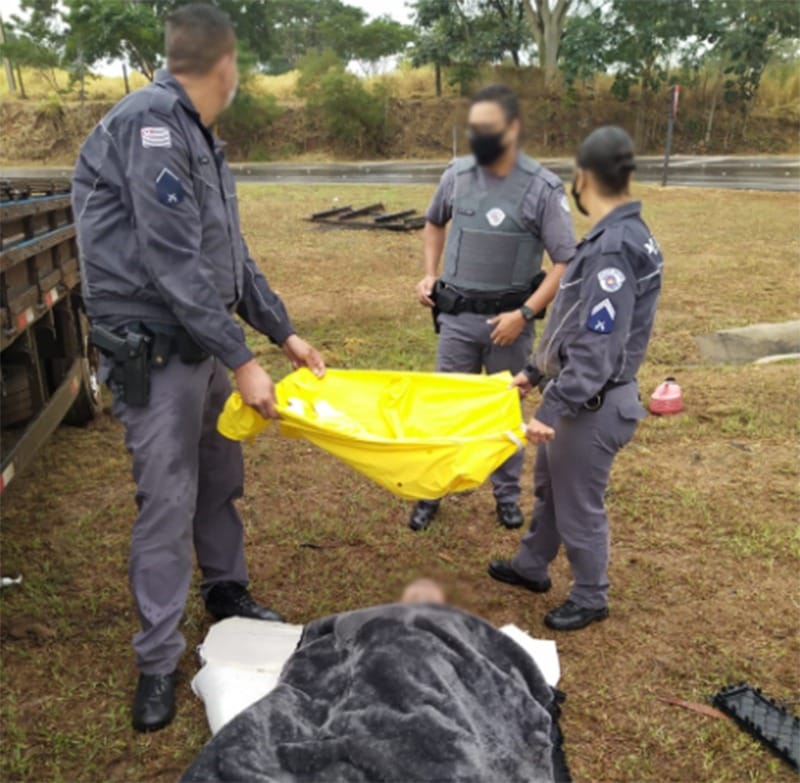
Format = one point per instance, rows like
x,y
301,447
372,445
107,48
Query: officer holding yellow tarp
x,y
506,210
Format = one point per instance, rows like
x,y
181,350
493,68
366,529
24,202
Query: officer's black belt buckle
x,y
596,402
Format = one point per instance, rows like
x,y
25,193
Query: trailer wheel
x,y
89,402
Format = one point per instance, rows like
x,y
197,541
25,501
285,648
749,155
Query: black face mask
x,y
487,147
576,197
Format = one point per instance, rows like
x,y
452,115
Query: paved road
x,y
755,173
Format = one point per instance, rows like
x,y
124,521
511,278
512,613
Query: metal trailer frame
x,y
47,363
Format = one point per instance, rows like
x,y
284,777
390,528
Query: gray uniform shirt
x,y
158,227
545,209
602,317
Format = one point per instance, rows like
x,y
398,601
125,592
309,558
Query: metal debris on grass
x,y
372,217
773,726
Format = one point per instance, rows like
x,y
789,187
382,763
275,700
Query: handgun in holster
x,y
537,281
435,311
131,357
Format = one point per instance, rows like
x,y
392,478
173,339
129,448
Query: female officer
x,y
587,361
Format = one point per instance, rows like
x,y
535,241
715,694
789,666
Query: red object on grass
x,y
667,399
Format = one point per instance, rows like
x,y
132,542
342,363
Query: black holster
x,y
130,355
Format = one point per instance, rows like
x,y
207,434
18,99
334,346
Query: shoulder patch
x,y
611,279
156,136
651,246
601,317
169,188
564,203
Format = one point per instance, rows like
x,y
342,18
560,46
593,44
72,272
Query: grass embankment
x,y
704,509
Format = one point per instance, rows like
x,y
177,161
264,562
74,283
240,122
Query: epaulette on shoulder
x,y
529,165
612,239
162,101
464,164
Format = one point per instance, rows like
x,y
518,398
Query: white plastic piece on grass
x,y
7,581
242,660
543,652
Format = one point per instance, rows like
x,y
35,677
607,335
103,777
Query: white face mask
x,y
232,94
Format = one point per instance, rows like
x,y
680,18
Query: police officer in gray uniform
x,y
588,357
505,209
165,268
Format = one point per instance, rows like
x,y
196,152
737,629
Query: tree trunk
x,y
713,108
546,19
21,85
438,70
125,78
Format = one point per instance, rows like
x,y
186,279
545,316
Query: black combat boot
x,y
509,515
502,571
571,617
230,599
154,702
423,514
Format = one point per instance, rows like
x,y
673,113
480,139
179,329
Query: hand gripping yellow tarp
x,y
419,435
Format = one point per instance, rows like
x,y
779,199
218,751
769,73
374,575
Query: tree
x,y
547,19
753,30
644,39
512,27
114,29
380,38
463,35
584,47
35,41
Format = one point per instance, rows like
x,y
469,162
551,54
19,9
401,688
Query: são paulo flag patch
x,y
156,137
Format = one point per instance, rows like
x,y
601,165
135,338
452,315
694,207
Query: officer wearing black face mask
x,y
587,360
506,210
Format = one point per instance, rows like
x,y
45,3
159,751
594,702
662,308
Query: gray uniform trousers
x,y
465,345
571,477
187,478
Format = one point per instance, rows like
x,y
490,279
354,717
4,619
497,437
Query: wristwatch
x,y
527,313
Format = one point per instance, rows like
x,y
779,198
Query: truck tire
x,y
89,402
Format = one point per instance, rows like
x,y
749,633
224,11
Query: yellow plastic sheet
x,y
419,435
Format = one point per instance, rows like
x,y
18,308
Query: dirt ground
x,y
704,509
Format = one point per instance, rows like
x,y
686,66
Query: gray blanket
x,y
393,693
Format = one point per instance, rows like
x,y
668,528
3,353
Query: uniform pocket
x,y
631,410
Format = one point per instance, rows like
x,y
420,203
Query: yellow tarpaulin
x,y
420,435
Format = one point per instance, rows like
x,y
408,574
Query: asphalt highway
x,y
753,173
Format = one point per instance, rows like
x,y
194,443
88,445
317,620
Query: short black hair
x,y
197,35
608,153
503,96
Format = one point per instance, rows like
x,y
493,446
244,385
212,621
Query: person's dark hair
x,y
503,96
196,37
608,153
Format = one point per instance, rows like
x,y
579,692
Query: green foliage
x,y
465,34
113,29
313,66
355,117
583,47
247,118
35,41
754,31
